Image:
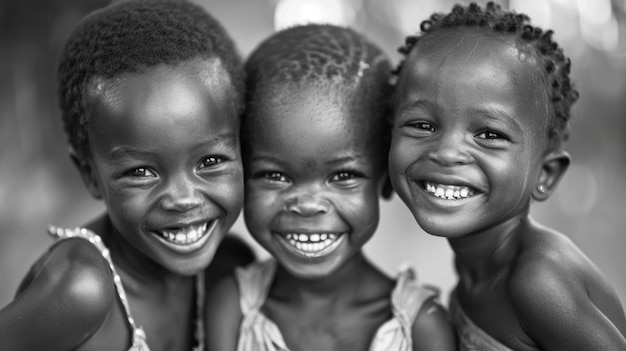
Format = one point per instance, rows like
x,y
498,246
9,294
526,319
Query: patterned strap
x,y
139,336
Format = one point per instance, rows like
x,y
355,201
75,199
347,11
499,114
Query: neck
x,y
479,256
332,286
134,267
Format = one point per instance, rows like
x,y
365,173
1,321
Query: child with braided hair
x,y
151,93
482,107
315,139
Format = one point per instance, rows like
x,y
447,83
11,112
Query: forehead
x,y
162,86
474,67
309,118
292,107
478,53
162,98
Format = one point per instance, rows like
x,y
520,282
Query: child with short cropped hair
x,y
151,92
315,142
482,107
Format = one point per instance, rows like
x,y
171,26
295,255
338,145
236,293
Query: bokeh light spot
x,y
538,10
289,13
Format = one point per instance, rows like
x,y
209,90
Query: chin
x,y
444,230
311,271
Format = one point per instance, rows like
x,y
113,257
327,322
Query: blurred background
x,y
39,186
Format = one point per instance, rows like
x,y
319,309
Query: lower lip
x,y
329,250
190,247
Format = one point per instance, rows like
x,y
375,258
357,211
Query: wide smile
x,y
448,192
314,244
188,237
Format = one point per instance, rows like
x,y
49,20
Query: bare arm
x,y
555,309
61,303
432,329
223,316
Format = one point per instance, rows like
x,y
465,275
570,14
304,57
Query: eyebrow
x,y
268,158
420,103
344,159
227,139
497,115
338,160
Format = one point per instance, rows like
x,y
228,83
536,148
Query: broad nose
x,y
308,205
181,194
450,149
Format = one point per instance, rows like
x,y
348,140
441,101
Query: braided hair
x,y
323,56
556,66
130,36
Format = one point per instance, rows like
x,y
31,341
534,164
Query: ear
x,y
554,166
386,188
87,173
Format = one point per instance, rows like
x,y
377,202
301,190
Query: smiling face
x,y
164,156
469,131
314,173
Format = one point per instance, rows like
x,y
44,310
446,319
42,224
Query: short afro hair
x,y
321,55
130,36
556,72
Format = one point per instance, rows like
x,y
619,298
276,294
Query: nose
x,y
308,205
181,194
450,150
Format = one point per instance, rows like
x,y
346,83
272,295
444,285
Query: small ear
x,y
386,189
554,166
86,172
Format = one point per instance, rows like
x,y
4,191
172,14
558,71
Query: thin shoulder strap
x,y
199,322
407,299
139,336
254,283
408,296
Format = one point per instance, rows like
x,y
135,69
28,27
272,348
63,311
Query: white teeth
x,y
312,244
186,235
439,192
448,192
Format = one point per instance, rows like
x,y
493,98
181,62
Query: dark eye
x,y
211,161
273,176
141,172
491,135
423,126
346,178
343,176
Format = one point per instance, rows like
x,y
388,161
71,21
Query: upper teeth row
x,y
315,237
449,192
185,235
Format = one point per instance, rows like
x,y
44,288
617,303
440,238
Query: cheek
x,y
401,153
361,210
259,207
128,203
233,193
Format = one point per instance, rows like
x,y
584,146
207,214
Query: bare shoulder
x,y
560,297
67,296
223,315
432,329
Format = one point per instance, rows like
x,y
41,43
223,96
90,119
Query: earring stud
x,y
541,188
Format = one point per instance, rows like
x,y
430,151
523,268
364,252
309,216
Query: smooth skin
x,y
164,155
472,117
313,166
